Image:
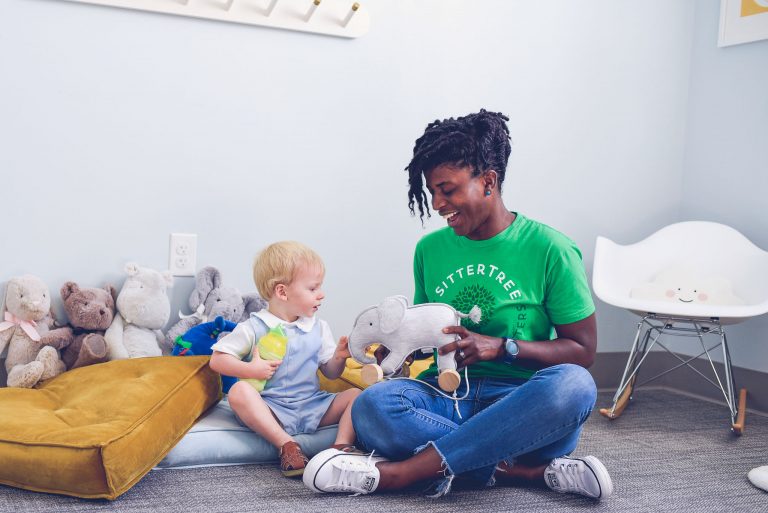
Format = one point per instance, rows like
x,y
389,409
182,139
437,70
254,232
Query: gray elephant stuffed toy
x,y
404,329
211,299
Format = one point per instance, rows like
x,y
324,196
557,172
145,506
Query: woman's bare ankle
x,y
388,476
395,475
519,474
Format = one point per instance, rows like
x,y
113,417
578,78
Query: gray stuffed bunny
x,y
211,299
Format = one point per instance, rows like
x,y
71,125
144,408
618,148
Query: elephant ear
x,y
208,278
252,302
391,313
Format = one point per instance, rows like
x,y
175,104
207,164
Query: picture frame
x,y
742,21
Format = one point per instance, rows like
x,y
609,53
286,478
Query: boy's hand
x,y
334,367
342,349
262,369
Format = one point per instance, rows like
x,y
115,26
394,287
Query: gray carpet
x,y
668,452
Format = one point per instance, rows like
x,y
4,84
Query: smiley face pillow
x,y
682,285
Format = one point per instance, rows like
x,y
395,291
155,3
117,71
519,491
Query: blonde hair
x,y
278,263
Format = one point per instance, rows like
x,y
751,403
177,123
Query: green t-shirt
x,y
525,280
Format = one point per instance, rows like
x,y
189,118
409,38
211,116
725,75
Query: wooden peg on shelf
x,y
312,9
339,18
270,7
351,13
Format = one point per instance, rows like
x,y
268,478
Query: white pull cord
x,y
451,397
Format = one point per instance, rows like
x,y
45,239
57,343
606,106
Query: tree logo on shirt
x,y
470,296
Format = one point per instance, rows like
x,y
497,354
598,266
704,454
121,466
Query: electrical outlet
x,y
183,254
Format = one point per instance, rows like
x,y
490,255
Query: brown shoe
x,y
292,460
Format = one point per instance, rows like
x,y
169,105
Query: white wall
x,y
119,127
725,175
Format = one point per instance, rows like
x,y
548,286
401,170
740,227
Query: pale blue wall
x,y
725,175
119,127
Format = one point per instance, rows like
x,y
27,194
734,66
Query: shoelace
x,y
347,474
571,475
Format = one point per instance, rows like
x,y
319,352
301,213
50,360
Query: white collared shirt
x,y
242,340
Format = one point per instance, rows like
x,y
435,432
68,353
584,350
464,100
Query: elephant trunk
x,y
357,349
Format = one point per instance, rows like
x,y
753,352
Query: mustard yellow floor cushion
x,y
93,432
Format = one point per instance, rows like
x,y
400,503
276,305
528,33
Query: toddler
x,y
289,275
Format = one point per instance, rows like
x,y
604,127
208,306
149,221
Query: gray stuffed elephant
x,y
404,329
211,299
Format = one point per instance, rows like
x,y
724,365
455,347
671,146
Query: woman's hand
x,y
472,347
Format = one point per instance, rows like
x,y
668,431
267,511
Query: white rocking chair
x,y
640,278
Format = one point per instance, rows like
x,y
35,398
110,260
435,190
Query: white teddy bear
x,y
27,329
143,308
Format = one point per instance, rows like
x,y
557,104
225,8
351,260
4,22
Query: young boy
x,y
289,275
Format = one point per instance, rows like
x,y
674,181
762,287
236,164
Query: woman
x,y
526,359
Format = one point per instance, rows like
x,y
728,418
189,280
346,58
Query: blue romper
x,y
293,392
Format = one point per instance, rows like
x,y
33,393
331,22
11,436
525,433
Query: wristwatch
x,y
511,348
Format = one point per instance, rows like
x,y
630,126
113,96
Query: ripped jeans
x,y
525,421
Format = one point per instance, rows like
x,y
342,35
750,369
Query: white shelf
x,y
328,17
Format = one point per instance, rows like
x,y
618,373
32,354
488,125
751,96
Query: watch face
x,y
511,347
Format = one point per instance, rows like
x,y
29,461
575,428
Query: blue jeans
x,y
515,420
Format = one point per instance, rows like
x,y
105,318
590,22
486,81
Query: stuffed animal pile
x,y
104,325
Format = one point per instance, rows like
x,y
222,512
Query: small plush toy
x,y
27,331
211,299
90,312
198,341
404,329
143,308
681,285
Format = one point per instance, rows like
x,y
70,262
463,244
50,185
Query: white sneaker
x,y
333,470
586,476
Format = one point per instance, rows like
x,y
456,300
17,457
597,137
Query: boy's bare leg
x,y
254,412
340,411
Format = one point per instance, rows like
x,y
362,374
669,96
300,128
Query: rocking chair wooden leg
x,y
621,403
738,426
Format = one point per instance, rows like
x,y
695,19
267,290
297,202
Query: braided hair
x,y
479,140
